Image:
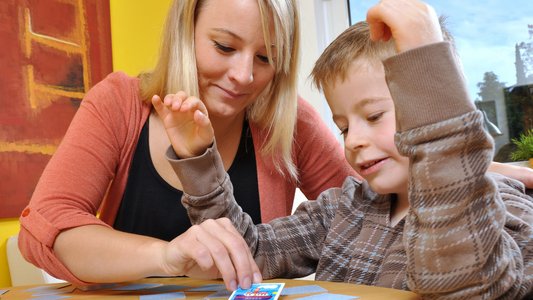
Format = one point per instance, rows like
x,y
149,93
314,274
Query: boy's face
x,y
363,110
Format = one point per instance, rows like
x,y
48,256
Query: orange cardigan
x,y
90,168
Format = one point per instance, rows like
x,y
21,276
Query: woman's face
x,y
231,56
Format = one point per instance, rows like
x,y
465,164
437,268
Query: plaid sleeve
x,y
459,236
291,246
465,236
285,247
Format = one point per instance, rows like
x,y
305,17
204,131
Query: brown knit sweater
x,y
467,234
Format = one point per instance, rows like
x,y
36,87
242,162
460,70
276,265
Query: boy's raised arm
x,y
386,22
467,233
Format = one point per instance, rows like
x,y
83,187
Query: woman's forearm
x,y
95,253
523,174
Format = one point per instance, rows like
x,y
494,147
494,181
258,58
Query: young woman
x,y
240,58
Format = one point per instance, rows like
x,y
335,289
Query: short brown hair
x,y
354,46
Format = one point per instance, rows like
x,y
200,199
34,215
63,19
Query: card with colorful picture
x,y
258,291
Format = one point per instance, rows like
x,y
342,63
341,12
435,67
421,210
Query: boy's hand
x,y
213,249
187,123
411,23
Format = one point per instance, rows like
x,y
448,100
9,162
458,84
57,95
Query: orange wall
x,y
135,46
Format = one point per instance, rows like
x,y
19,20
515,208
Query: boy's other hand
x,y
186,122
411,23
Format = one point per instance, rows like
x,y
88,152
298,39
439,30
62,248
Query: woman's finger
x,y
234,248
257,277
247,271
208,252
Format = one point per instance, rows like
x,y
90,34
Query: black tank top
x,y
152,207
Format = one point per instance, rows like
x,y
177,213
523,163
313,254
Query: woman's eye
x,y
222,47
263,58
375,117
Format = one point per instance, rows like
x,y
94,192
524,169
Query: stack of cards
x,y
258,291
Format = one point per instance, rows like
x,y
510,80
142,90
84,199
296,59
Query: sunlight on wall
x,y
135,33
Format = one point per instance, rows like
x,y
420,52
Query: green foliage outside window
x,y
524,146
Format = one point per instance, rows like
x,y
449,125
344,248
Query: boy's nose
x,y
355,139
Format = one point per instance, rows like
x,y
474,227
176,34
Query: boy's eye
x,y
344,131
223,48
375,117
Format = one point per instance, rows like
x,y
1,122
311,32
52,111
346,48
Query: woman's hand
x,y
186,122
411,23
523,174
210,250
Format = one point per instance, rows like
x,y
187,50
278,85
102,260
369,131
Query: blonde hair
x,y
354,46
275,109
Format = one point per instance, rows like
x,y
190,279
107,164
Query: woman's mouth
x,y
231,94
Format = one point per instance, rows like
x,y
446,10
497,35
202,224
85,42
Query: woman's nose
x,y
242,71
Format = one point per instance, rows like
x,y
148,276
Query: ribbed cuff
x,y
427,85
198,175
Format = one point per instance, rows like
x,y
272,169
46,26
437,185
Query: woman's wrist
x,y
156,256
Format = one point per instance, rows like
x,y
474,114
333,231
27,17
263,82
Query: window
x,y
495,42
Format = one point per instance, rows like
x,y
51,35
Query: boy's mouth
x,y
368,167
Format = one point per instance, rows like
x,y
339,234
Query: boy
x,y
427,218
